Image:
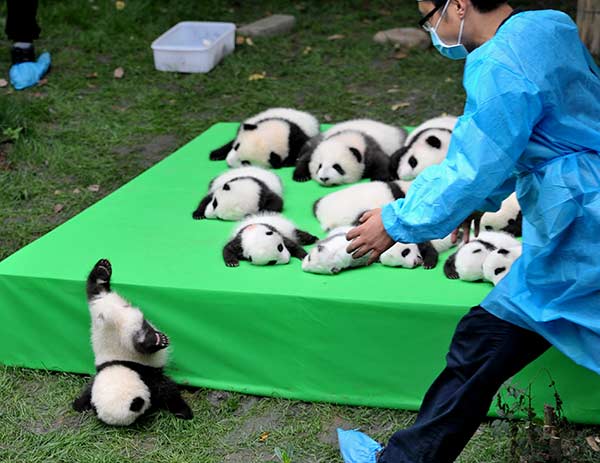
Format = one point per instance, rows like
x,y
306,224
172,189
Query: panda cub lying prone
x,y
130,356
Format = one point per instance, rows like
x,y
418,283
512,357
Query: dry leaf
x,y
449,79
399,55
263,437
3,83
93,75
76,191
119,73
94,188
593,443
402,104
240,40
307,50
393,90
249,41
258,76
58,208
119,4
336,37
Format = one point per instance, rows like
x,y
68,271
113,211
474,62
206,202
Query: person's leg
x,y
22,29
484,353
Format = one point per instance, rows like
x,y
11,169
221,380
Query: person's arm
x,y
486,144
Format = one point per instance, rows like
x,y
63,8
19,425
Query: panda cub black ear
x,y
226,187
434,142
356,154
249,126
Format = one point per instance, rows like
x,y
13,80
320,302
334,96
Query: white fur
x,y
113,390
425,154
402,255
499,239
114,324
307,122
509,209
240,199
389,138
271,135
336,150
269,178
469,260
498,263
343,207
443,244
283,225
329,255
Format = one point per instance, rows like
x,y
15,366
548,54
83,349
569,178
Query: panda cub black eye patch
x,y
406,252
320,165
476,251
339,169
434,142
280,247
269,233
215,203
412,162
245,163
237,146
499,270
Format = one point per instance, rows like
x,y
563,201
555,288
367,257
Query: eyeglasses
x,y
424,22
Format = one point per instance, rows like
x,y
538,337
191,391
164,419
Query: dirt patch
x,y
254,426
216,398
329,433
4,150
247,403
151,152
247,456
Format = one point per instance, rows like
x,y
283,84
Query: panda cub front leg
x,y
148,340
99,279
84,401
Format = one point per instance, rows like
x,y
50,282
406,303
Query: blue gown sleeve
x,y
502,108
494,201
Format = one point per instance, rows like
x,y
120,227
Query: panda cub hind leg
x,y
84,401
99,279
171,400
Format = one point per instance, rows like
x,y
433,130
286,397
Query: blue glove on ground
x,y
25,75
357,447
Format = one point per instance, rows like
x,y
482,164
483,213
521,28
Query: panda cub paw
x,y
99,278
162,340
102,270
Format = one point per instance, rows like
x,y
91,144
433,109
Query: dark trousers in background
x,y
484,353
21,25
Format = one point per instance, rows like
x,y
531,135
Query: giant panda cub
x,y
329,256
412,255
425,146
272,138
467,263
345,206
508,218
266,239
129,355
498,263
348,152
240,192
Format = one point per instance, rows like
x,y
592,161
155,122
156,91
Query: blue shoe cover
x,y
357,447
25,75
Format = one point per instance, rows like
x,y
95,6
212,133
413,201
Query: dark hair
x,y
483,6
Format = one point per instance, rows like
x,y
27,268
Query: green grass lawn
x,y
84,128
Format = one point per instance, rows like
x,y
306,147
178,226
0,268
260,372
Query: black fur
x,y
499,270
99,279
296,141
84,401
305,238
515,226
221,153
395,190
503,251
249,127
137,404
148,340
377,163
275,160
295,249
233,252
429,254
450,268
302,171
198,214
489,246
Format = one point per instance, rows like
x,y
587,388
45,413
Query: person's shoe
x,y
22,52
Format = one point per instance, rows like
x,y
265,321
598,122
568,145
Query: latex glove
x,y
24,75
357,447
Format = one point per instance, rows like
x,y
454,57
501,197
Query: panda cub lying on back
x,y
129,355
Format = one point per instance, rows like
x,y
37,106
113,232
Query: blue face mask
x,y
455,52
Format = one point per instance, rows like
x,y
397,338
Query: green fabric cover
x,y
374,336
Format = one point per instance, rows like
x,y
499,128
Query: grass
x,y
85,128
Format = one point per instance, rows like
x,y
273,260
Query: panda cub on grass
x,y
348,152
272,138
266,239
240,192
425,146
129,355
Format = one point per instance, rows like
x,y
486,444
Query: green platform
x,y
374,336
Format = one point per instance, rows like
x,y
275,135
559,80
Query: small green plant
x,y
11,135
284,455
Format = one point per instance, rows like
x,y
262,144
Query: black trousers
x,y
21,25
484,353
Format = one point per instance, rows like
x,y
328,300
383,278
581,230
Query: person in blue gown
x,y
531,124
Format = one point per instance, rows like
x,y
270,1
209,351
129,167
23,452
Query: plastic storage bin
x,y
193,46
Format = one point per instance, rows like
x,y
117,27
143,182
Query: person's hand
x,y
475,219
369,236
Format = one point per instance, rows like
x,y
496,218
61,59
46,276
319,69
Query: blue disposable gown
x,y
531,122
